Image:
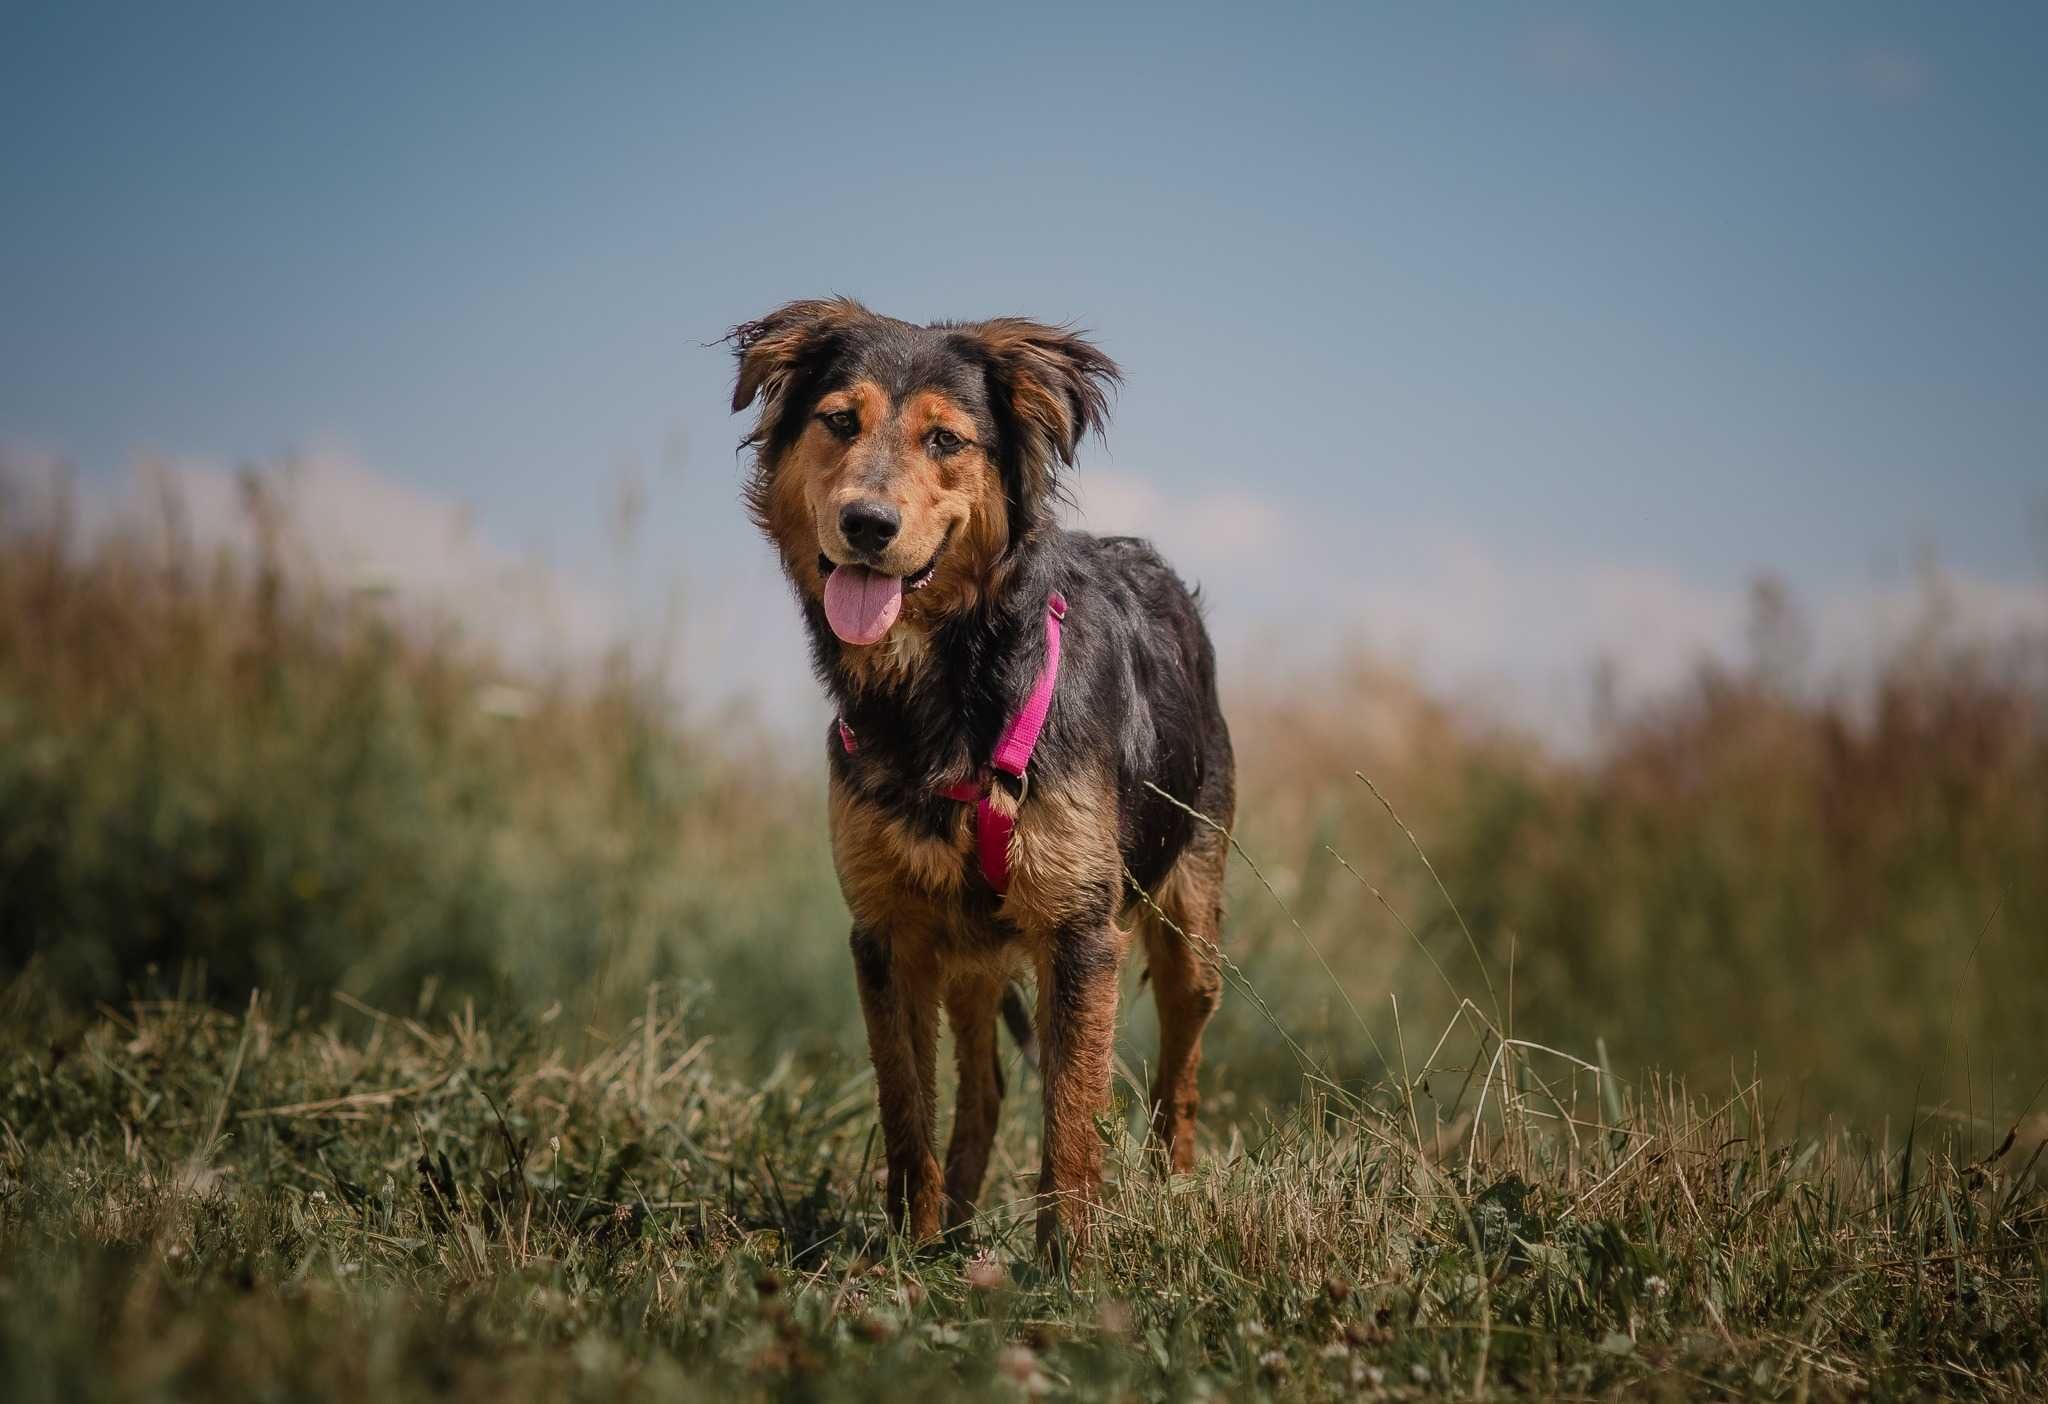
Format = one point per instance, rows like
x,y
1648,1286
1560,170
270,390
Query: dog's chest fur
x,y
901,872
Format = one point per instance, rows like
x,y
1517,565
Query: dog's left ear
x,y
1055,385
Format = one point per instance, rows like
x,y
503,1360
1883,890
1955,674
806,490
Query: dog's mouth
x,y
916,580
861,604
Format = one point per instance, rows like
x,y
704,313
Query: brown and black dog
x,y
908,476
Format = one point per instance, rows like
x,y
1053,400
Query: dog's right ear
x,y
772,350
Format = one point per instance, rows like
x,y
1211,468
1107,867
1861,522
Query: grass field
x,y
197,1203
378,1019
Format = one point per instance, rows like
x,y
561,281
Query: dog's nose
x,y
868,525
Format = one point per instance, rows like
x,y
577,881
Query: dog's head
x,y
898,466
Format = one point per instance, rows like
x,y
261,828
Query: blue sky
x,y
1431,315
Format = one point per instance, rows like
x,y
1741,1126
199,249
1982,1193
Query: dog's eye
x,y
844,423
946,441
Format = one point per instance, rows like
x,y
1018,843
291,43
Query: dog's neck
x,y
933,704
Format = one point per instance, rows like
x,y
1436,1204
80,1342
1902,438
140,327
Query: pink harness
x,y
992,827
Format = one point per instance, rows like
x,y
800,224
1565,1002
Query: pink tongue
x,y
861,604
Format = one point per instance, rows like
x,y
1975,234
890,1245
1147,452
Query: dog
x,y
1029,760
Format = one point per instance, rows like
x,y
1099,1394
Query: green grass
x,y
195,1203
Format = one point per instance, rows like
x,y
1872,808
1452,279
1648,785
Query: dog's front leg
x,y
899,1000
1077,994
972,1002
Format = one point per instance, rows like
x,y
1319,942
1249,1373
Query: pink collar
x,y
1012,756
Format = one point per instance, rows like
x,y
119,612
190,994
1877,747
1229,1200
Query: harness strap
x,y
1020,737
1012,756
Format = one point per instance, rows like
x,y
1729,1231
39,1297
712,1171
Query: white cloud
x,y
1517,636
353,528
1213,527
1468,609
1853,625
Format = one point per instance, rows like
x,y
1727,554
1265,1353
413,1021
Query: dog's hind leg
x,y
972,1002
899,1000
1187,985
